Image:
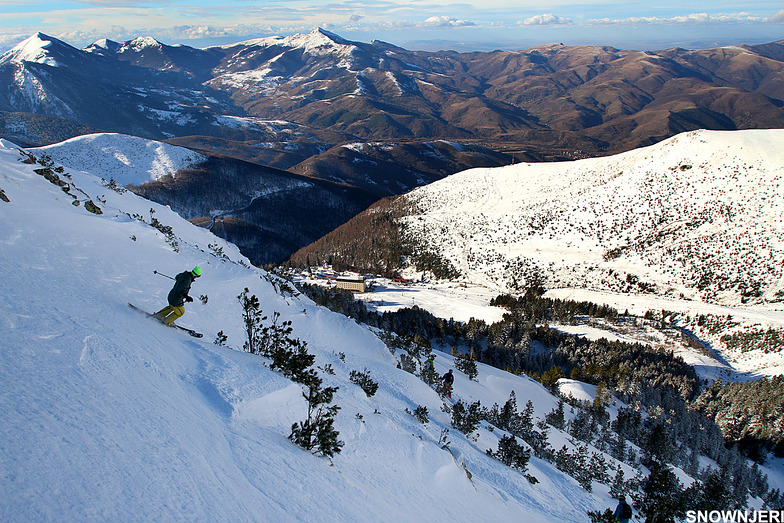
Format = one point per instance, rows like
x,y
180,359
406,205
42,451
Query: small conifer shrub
x,y
317,433
364,380
466,418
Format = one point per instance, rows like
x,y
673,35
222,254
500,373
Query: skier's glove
x,y
188,299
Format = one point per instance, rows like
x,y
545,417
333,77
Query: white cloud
x,y
446,21
693,18
546,19
777,18
8,41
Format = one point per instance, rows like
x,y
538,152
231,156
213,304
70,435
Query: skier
x,y
178,296
429,370
623,512
429,364
448,380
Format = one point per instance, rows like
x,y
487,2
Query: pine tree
x,y
661,498
525,420
466,363
582,426
538,439
466,419
713,492
557,417
564,461
317,433
551,376
511,453
252,318
658,445
618,447
290,355
364,380
618,487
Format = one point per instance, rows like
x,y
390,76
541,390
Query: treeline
x,y
533,305
671,432
520,344
375,241
770,340
370,241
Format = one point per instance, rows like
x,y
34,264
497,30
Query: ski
x,y
186,329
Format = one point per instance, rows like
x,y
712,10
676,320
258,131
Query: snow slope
x,y
698,216
108,415
124,158
33,49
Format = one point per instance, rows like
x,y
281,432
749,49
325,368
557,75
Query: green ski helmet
x,y
196,271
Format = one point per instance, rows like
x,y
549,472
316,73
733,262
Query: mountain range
x,y
274,142
281,100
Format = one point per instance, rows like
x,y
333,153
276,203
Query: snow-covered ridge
x,y
140,43
318,41
700,215
33,49
129,160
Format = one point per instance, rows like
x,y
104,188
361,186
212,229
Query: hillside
x,y
266,212
697,216
108,415
692,225
386,169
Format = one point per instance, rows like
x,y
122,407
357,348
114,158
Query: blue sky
x,y
414,24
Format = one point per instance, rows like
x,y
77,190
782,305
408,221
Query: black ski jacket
x,y
182,285
448,378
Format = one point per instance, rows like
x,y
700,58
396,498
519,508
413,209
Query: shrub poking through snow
x,y
317,433
252,318
220,339
364,380
421,414
290,356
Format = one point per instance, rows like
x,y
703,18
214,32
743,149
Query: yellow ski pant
x,y
170,313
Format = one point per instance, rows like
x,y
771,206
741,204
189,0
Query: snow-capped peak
x,y
34,49
319,42
103,44
141,43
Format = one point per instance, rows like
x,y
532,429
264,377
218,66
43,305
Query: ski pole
x,y
164,275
